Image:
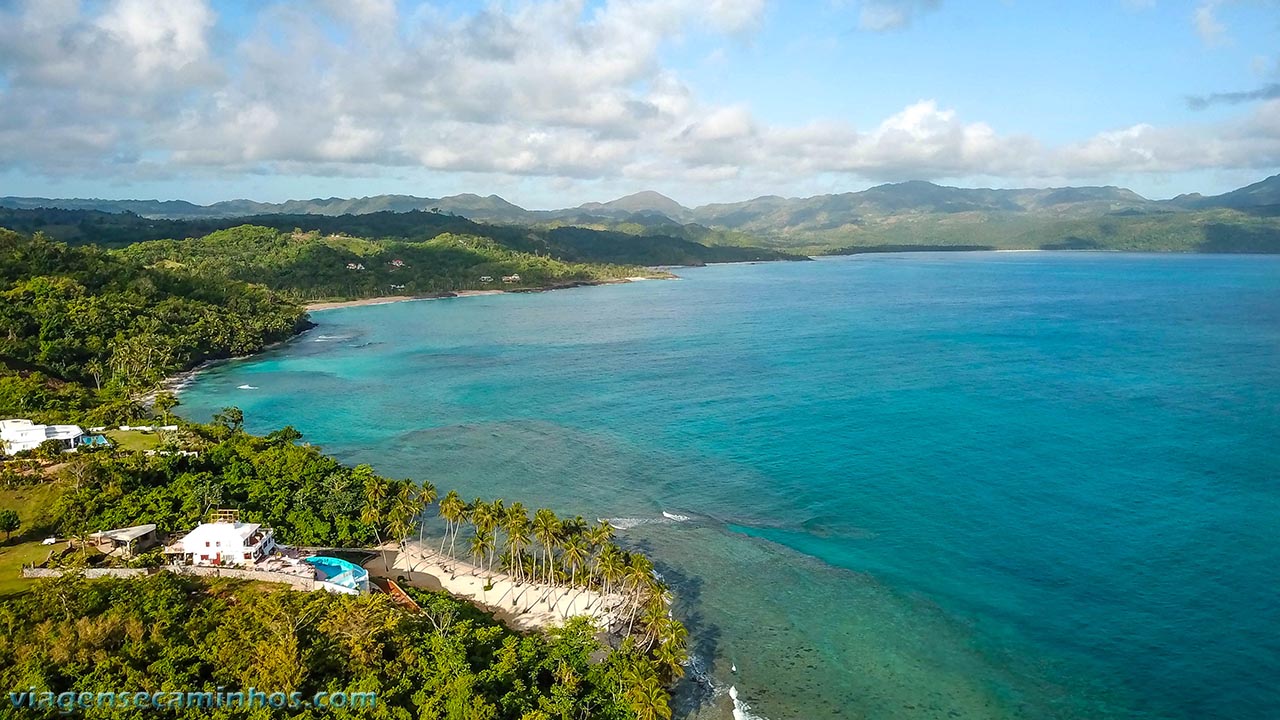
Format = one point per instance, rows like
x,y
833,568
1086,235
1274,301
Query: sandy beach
x,y
383,300
521,606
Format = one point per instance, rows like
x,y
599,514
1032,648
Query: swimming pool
x,y
339,575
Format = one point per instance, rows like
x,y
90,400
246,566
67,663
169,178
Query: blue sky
x,y
556,103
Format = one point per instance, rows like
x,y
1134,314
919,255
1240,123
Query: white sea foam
x,y
246,387
626,523
328,338
741,710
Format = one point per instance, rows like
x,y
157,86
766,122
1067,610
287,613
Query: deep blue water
x,y
981,485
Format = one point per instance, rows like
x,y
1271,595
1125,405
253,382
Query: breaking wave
x,y
741,710
626,523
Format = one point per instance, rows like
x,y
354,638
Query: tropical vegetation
x,y
306,265
87,334
309,499
447,661
83,329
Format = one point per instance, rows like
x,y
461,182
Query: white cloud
x,y
1249,142
559,90
882,15
160,37
1206,22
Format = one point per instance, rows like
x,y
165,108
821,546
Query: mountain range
x,y
900,214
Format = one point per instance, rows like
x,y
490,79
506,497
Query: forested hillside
x,y
650,228
82,326
641,241
308,265
1211,231
167,632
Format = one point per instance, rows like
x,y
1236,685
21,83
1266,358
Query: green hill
x,y
660,243
307,265
650,228
80,325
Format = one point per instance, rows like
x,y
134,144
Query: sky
x,y
558,102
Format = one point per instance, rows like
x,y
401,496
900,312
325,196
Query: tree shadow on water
x,y
695,690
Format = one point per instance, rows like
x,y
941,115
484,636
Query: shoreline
x,y
388,299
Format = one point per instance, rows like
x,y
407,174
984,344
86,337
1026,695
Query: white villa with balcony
x,y
226,543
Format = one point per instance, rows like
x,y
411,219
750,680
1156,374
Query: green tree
x,y
375,493
575,554
285,435
50,450
485,518
404,508
517,529
546,528
426,495
453,510
9,522
165,402
231,418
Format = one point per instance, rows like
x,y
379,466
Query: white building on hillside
x,y
226,543
19,435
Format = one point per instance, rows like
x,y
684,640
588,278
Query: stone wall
x,y
297,583
90,573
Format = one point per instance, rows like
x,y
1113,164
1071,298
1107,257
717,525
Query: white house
x,y
227,543
18,435
126,542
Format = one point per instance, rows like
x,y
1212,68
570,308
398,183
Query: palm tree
x,y
653,619
609,563
650,701
639,575
453,510
375,493
546,527
575,554
517,527
481,543
404,508
426,495
97,370
600,534
671,652
484,517
499,517
575,526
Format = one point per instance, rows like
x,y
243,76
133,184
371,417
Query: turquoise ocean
x,y
969,485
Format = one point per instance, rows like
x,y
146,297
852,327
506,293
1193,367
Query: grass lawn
x,y
133,439
32,503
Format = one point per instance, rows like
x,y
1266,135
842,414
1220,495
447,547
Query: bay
x,y
978,485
